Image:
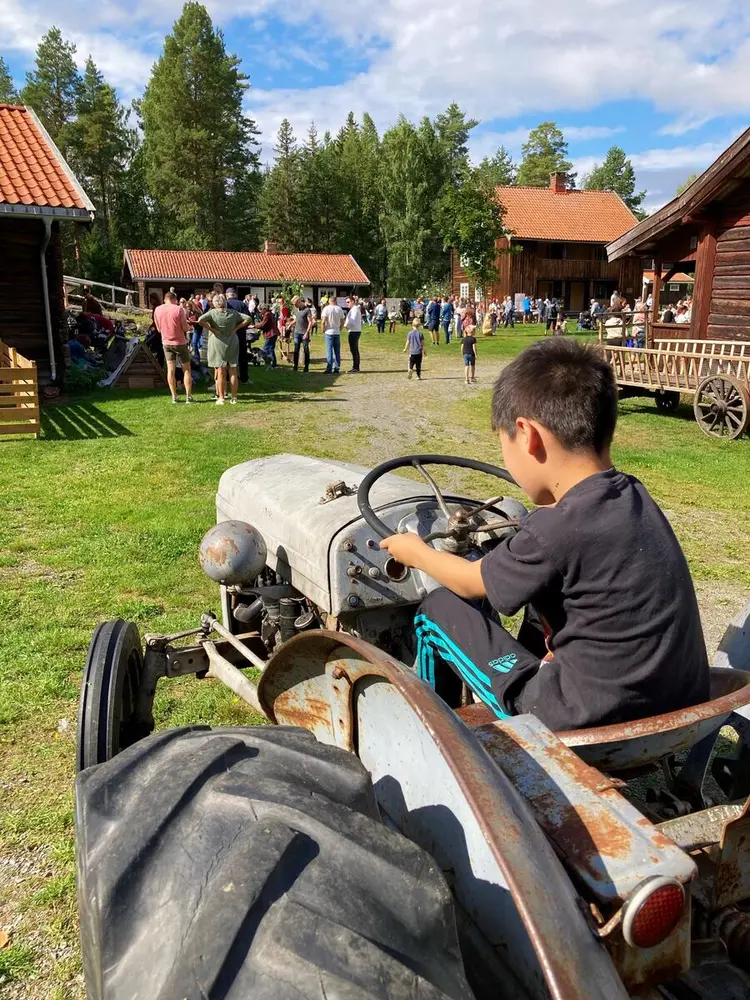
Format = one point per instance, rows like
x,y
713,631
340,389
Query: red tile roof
x,y
536,213
32,170
680,278
246,266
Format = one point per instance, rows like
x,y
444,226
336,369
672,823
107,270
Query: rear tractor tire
x,y
252,862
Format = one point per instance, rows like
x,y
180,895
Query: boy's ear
x,y
530,436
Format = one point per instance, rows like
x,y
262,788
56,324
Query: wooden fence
x,y
19,393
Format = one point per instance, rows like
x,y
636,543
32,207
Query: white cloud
x,y
498,59
583,133
684,158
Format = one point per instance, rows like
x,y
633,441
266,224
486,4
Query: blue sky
x,y
668,80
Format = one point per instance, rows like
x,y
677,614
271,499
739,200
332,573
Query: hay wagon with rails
x,y
371,842
716,373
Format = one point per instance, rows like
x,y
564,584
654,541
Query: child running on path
x,y
469,351
415,346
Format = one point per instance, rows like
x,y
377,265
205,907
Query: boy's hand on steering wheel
x,y
406,548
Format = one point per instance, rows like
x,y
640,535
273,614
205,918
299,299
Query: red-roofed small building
x,y
260,273
37,191
559,237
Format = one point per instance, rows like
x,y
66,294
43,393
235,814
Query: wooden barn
x,y
37,192
705,232
560,237
260,273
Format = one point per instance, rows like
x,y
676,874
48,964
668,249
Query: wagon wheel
x,y
722,407
666,401
111,680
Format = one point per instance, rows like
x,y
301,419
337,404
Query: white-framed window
x,y
463,260
463,290
477,294
674,288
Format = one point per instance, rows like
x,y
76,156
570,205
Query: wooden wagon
x,y
715,372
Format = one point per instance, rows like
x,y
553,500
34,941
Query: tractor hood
x,y
282,496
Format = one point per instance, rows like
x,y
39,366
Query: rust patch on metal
x,y
730,689
643,967
585,828
732,882
220,550
657,838
291,712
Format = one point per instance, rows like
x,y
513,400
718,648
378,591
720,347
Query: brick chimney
x,y
557,182
271,246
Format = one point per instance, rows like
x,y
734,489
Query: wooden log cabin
x,y
557,239
705,232
38,191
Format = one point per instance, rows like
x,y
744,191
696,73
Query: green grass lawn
x,y
102,518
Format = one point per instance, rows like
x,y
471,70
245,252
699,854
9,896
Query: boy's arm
x,y
454,572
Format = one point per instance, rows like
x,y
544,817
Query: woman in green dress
x,y
223,345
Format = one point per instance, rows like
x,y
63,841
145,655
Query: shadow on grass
x,y
682,412
79,421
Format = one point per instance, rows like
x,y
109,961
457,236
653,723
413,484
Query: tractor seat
x,y
632,746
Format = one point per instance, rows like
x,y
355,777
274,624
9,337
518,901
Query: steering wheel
x,y
460,523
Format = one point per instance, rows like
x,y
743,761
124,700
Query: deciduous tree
x,y
471,221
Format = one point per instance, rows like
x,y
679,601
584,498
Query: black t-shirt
x,y
467,345
608,577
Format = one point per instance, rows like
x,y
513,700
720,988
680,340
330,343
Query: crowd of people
x,y
222,328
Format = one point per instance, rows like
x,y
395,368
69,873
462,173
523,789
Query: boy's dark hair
x,y
565,386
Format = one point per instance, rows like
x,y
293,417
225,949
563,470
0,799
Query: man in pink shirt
x,y
170,319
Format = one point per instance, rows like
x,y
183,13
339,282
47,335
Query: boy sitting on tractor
x,y
611,631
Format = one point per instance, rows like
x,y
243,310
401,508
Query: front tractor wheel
x,y
112,679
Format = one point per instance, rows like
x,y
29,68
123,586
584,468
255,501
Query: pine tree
x,y
53,87
544,152
309,193
280,198
198,146
616,174
498,170
408,185
453,128
100,147
8,93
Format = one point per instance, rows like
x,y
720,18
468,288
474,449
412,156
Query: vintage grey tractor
x,y
371,842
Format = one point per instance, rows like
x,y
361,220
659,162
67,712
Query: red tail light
x,y
653,912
